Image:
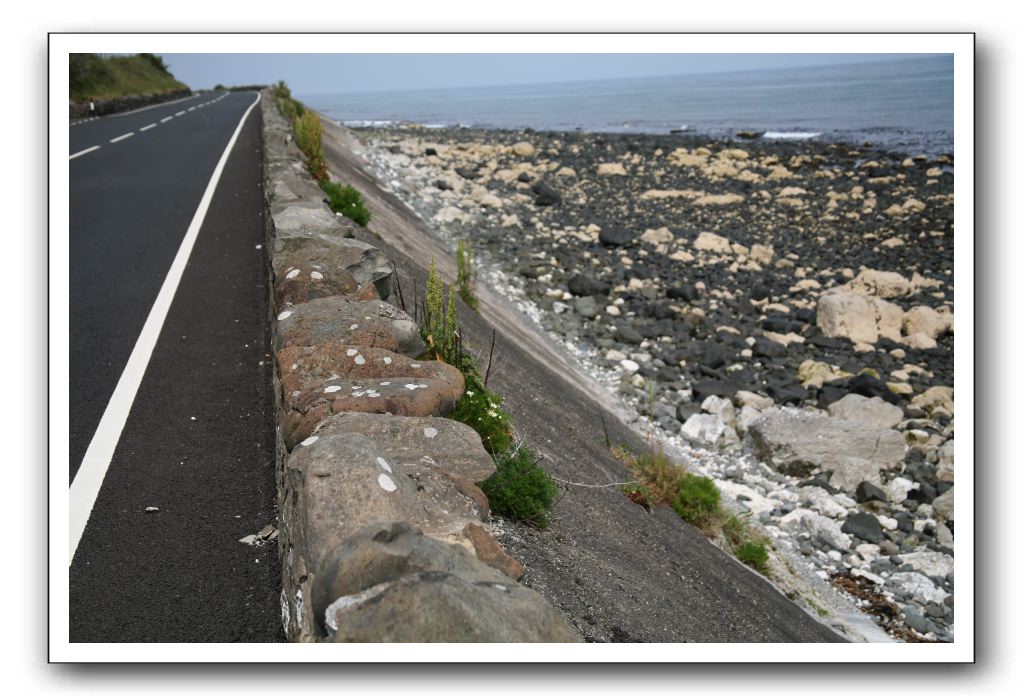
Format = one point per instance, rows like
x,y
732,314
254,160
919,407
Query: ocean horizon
x,y
900,105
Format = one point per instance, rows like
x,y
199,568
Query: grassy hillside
x,y
95,77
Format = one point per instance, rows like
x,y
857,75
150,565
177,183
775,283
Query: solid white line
x,y
143,129
122,137
84,152
180,113
89,479
164,120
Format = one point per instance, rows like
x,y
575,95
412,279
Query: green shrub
x,y
520,490
753,554
347,201
480,409
697,500
466,274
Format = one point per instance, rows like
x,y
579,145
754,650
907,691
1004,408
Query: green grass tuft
x,y
697,500
466,275
753,554
520,490
347,201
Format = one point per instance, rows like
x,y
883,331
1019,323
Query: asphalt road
x,y
198,441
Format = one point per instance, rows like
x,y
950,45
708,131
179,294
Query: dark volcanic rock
x,y
867,492
616,236
443,185
545,194
581,286
466,173
864,526
714,387
766,348
683,292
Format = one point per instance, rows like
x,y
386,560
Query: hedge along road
x,y
173,413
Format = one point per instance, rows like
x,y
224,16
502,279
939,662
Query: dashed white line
x,y
84,152
143,129
199,106
122,137
89,479
180,113
164,120
191,108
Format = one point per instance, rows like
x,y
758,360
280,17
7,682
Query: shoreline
x,y
729,309
739,136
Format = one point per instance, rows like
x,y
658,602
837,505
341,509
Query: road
x,y
191,470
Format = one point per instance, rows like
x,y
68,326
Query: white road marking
x,y
84,152
180,113
143,129
164,120
89,479
151,106
122,137
191,108
198,106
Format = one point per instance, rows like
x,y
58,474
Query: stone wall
x,y
105,107
382,528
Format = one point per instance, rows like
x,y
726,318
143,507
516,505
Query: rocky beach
x,y
779,314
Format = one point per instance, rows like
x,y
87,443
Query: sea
x,y
902,105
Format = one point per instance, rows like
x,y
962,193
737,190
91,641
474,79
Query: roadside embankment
x,y
383,531
781,313
616,571
116,105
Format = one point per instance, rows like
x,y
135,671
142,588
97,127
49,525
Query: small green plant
x,y
520,490
697,500
753,554
309,138
347,201
480,409
466,274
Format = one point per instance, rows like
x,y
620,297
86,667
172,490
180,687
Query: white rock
x,y
917,586
707,429
816,525
708,241
611,169
873,411
898,488
880,284
750,499
927,321
614,356
720,407
860,318
931,563
629,366
523,149
748,398
944,506
820,500
868,552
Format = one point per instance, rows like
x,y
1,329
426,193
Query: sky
x,y
308,74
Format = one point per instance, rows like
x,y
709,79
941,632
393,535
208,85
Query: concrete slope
x,y
616,572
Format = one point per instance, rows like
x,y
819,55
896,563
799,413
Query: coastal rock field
x,y
782,312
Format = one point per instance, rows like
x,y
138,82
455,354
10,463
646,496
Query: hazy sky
x,y
364,72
